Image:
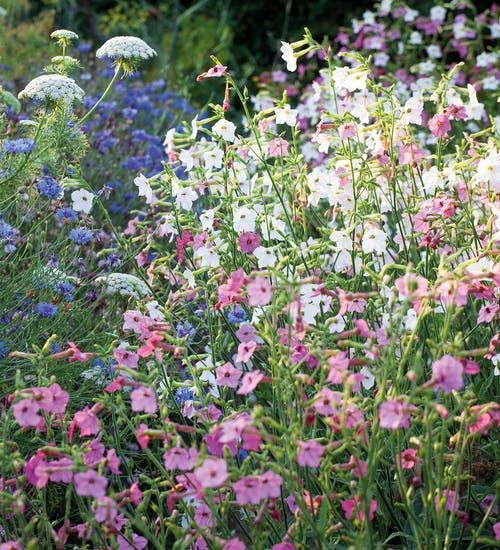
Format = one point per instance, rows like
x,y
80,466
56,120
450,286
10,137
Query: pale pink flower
x,y
127,358
310,453
26,413
259,292
245,351
212,473
178,458
143,399
249,382
90,484
246,333
394,414
227,375
203,516
447,374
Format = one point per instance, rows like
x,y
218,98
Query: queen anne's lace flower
x,y
125,47
53,87
124,284
63,34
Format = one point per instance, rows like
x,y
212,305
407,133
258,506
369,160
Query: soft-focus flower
x,y
125,48
53,88
447,374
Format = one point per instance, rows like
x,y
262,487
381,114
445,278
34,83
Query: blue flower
x,y
44,309
185,329
48,187
81,235
237,316
4,350
182,395
66,215
19,146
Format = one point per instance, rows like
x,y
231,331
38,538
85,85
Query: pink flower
x,y
203,516
60,399
496,530
11,545
106,511
447,374
178,458
90,484
270,484
448,500
138,542
353,507
249,382
227,375
283,546
233,544
95,452
143,399
212,473
310,453
440,125
347,130
248,241
259,292
278,147
127,358
247,490
394,413
86,421
26,413
246,333
327,401
245,351
487,313
407,458
214,72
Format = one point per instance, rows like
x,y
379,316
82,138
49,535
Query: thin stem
x,y
105,93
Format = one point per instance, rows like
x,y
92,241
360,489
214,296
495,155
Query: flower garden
x,y
268,321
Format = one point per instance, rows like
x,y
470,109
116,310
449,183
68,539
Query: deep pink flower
x,y
440,125
447,374
407,458
248,241
310,453
249,382
259,292
143,399
353,507
227,375
394,414
212,473
90,484
26,413
245,351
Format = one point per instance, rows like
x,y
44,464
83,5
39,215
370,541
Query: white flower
x,y
412,111
185,197
207,219
213,158
145,189
209,258
288,56
244,219
474,109
481,267
124,284
154,310
64,35
374,240
53,87
437,14
488,169
287,115
369,379
187,159
415,38
225,129
434,51
82,200
189,276
265,257
125,47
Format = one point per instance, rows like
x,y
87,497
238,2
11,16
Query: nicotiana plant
x,y
307,352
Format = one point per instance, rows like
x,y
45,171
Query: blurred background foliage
x,y
244,34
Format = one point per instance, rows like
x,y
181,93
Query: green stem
x,y
105,93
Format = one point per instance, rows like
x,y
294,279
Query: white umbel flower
x,y
53,88
63,34
124,284
127,48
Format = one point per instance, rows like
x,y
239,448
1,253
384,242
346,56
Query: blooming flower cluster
x,y
305,352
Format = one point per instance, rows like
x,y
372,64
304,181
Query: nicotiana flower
x,y
82,200
124,284
128,48
54,88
